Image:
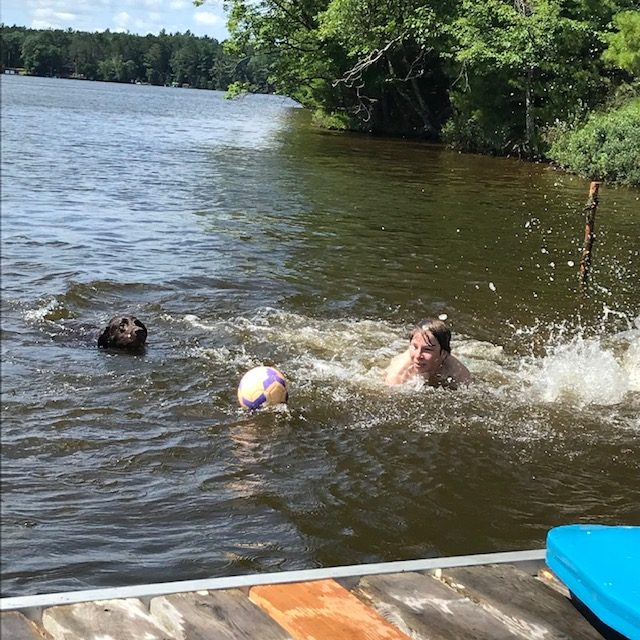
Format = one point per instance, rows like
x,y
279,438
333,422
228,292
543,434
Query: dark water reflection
x,y
241,236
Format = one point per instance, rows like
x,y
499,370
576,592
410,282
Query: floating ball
x,y
262,386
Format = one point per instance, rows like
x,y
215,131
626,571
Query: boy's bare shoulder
x,y
396,371
457,371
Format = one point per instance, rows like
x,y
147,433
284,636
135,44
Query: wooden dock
x,y
491,596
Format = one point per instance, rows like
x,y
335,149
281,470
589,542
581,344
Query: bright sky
x,y
136,16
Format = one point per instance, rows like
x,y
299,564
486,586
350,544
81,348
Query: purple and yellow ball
x,y
262,386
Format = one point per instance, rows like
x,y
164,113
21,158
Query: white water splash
x,y
631,364
351,355
40,313
583,371
194,321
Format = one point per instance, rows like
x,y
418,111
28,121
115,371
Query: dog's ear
x,y
103,340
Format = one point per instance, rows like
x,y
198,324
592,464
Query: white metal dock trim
x,y
250,580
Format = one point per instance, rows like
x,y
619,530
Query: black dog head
x,y
123,332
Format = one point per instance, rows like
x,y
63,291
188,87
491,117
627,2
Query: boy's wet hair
x,y
437,328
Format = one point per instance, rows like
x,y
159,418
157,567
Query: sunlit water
x,y
241,235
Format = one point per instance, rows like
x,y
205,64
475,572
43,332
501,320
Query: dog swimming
x,y
126,333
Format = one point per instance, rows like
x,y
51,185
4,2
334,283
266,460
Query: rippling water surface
x,y
241,235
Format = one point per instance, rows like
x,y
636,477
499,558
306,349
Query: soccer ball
x,y
262,386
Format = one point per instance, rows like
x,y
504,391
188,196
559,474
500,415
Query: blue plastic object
x,y
600,565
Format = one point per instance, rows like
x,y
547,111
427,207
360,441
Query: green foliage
x,y
371,61
112,69
522,65
624,44
497,72
333,121
296,61
42,55
236,90
360,26
605,147
11,49
480,121
179,59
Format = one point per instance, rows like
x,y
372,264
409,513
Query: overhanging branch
x,y
354,75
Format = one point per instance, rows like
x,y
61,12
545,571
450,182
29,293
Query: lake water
x,y
242,235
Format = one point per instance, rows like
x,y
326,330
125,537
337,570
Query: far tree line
x,y
164,59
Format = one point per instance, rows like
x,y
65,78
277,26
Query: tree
x,y
300,64
41,54
624,44
11,50
111,69
184,63
154,64
124,57
521,64
395,72
498,72
84,52
375,63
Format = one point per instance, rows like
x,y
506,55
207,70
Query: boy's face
x,y
425,353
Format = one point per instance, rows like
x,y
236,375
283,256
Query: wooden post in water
x,y
589,235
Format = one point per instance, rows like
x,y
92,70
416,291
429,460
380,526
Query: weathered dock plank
x,y
107,619
219,615
425,608
517,598
15,626
323,610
